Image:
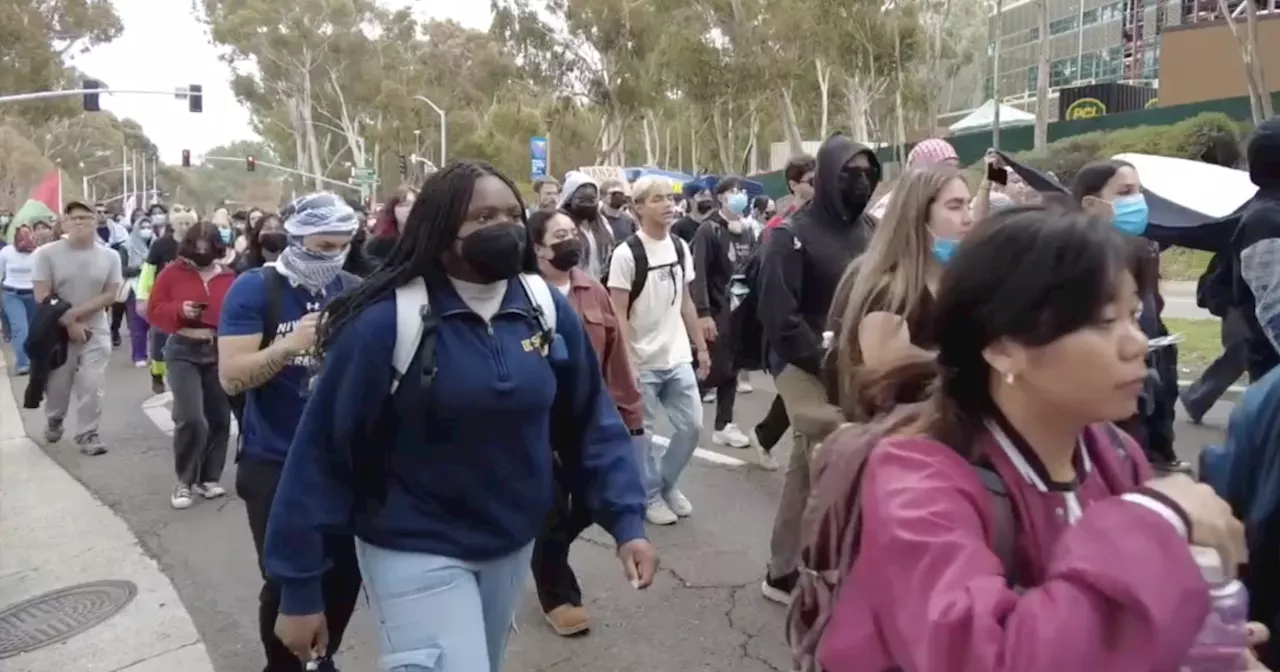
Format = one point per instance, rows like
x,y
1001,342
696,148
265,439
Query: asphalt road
x,y
704,613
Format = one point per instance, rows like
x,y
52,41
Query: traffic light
x,y
250,164
186,158
404,166
91,97
195,98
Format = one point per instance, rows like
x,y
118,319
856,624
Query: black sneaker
x,y
115,339
779,590
157,384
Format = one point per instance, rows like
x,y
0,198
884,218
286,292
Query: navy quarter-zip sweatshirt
x,y
465,469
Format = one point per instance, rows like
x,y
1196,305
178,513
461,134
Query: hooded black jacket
x,y
802,261
1257,243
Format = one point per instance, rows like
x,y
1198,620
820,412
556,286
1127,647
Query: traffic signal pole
x,y
45,95
310,176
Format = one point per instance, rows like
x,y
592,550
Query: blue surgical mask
x,y
146,234
226,234
737,203
944,249
1131,214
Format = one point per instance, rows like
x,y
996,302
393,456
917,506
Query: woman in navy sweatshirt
x,y
446,481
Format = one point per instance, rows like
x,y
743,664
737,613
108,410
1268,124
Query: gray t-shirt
x,y
77,274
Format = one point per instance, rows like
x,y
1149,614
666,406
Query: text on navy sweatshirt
x,y
468,467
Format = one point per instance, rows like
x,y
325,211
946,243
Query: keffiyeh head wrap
x,y
319,213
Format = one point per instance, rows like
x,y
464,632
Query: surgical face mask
x,y
616,201
201,259
160,219
1131,214
584,210
855,189
944,249
226,233
737,203
146,234
704,207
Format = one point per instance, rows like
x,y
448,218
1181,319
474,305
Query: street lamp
x,y
84,181
444,132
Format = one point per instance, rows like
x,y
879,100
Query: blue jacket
x,y
463,470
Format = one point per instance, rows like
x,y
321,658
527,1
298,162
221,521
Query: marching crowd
x,y
433,400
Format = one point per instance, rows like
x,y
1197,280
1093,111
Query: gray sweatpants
x,y
201,410
83,376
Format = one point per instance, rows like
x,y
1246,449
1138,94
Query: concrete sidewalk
x,y
55,535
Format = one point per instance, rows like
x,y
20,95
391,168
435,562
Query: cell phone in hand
x,y
199,306
997,175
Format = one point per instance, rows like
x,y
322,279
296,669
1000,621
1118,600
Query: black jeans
x,y
1201,395
256,482
556,582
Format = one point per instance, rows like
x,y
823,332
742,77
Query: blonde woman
x,y
884,301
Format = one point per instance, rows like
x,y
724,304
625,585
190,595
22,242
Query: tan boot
x,y
568,620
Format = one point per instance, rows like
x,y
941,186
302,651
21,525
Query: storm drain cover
x,y
52,617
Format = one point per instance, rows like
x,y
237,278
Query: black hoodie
x,y
802,261
1258,243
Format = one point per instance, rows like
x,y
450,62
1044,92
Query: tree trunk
x,y
858,98
1257,90
1259,76
1041,137
824,90
789,125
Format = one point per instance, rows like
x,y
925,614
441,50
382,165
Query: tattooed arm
x,y
243,363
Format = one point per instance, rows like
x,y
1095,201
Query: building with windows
x,y
1090,42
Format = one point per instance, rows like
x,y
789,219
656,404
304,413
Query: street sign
x,y
538,153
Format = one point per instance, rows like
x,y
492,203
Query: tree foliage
x,y
687,84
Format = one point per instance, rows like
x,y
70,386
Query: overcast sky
x,y
164,47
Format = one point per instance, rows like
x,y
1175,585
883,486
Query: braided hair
x,y
429,232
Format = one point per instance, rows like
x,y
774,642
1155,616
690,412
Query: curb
x,y
57,534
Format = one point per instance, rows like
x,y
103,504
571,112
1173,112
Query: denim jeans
x,y
438,614
673,392
19,308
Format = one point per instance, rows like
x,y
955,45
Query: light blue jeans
x,y
673,392
19,307
438,614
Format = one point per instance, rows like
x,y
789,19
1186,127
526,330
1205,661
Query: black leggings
x,y
256,483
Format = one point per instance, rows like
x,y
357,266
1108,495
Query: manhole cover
x,y
61,614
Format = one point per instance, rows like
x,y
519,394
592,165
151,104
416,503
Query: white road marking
x,y
157,410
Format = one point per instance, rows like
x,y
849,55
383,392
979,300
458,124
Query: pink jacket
x,y
1117,591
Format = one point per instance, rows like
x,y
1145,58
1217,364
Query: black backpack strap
x,y
1006,522
679,243
640,262
276,285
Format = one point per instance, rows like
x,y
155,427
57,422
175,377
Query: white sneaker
x,y
709,397
211,490
181,498
730,436
744,387
658,513
767,461
678,503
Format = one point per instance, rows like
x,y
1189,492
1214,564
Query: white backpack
x,y
411,302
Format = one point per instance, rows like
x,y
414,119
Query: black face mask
x,y
617,202
705,206
273,241
855,189
568,253
495,252
584,211
200,259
